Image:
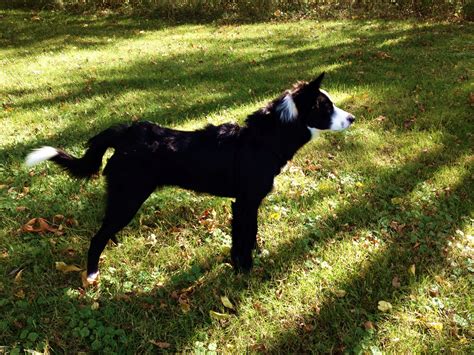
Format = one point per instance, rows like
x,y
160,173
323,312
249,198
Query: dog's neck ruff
x,y
314,132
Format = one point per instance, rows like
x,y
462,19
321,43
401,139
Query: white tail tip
x,y
39,155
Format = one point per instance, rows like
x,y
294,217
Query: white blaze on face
x,y
327,94
340,119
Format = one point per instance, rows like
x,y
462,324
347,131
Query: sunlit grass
x,y
352,212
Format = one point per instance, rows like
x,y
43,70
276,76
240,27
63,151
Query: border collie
x,y
227,160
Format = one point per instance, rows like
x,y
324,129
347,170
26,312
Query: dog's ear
x,y
286,108
316,83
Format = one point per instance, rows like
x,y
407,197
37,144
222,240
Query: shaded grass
x,y
350,213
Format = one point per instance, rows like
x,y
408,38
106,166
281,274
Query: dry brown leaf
x,y
18,276
160,344
226,302
58,219
434,291
218,316
38,225
185,307
62,266
435,326
368,325
184,303
20,294
396,282
208,219
71,222
384,306
383,55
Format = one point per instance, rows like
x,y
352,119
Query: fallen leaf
x,y
396,282
275,215
62,266
226,302
71,222
340,293
368,325
20,294
434,291
7,108
69,251
407,124
57,219
383,55
435,326
38,225
208,219
185,307
384,306
95,306
218,316
412,269
161,344
18,276
151,239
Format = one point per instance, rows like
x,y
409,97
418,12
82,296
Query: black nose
x,y
351,119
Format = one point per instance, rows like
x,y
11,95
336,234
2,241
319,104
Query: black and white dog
x,y
227,160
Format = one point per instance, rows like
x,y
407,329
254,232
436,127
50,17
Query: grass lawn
x,y
381,212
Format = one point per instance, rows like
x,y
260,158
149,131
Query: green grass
x,y
352,212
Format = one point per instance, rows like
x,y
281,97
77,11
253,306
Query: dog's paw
x,y
242,263
91,279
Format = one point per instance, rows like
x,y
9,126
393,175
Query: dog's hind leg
x,y
123,201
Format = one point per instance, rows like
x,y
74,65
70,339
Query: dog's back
x,y
202,160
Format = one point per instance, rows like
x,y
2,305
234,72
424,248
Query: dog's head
x,y
311,106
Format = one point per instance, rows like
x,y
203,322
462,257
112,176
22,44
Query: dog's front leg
x,y
244,233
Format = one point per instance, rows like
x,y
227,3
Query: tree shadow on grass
x,y
52,32
168,83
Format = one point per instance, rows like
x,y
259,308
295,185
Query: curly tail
x,y
83,167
